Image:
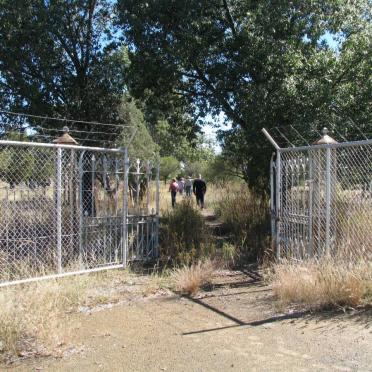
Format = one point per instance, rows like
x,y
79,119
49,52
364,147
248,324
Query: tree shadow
x,y
238,322
299,317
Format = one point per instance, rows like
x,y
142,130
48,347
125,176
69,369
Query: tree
x,y
221,170
138,139
34,166
169,167
262,64
62,58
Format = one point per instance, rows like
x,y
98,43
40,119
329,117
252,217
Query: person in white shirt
x,y
188,186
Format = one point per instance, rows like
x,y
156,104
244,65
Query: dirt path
x,y
234,326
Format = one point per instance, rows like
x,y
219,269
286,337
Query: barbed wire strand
x,y
62,119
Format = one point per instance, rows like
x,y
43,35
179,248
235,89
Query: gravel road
x,y
232,327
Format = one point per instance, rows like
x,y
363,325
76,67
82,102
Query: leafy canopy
x,y
263,64
62,58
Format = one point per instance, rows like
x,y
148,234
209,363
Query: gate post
x,y
157,202
272,199
65,139
310,250
59,210
327,140
277,200
328,201
125,209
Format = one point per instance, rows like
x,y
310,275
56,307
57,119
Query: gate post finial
x,y
325,139
65,139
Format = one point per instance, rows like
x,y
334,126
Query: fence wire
x,y
322,201
71,209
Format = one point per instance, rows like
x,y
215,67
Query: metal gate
x,y
321,200
293,179
68,209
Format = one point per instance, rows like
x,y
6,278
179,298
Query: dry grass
x,y
36,316
323,284
189,279
246,216
35,312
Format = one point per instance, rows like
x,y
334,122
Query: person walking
x,y
173,188
199,188
181,185
188,186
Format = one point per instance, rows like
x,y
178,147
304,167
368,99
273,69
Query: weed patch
x,y
189,279
322,284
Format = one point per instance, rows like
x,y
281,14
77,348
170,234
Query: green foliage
x,y
263,65
142,145
220,171
197,157
194,168
169,167
62,58
184,237
26,164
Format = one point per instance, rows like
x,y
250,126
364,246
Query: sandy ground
x,y
231,327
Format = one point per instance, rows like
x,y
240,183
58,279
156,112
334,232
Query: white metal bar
x,y
278,203
325,146
62,275
311,195
56,146
271,139
328,200
272,201
125,209
59,210
81,205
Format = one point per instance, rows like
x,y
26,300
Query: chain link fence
x,y
67,209
321,201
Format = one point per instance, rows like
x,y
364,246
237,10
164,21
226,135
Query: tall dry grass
x,y
35,311
190,279
247,219
326,283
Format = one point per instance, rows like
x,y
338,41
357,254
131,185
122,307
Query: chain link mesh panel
x,y
69,209
324,204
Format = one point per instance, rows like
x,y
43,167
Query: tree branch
x,y
222,101
230,18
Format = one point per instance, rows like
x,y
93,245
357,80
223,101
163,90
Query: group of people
x,y
197,186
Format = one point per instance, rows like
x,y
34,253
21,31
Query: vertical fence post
x,y
311,195
125,209
93,204
277,200
157,208
81,208
328,200
272,196
59,210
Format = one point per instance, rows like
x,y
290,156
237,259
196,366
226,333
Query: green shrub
x,y
184,237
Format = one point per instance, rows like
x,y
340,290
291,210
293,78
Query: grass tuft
x,y
322,284
190,279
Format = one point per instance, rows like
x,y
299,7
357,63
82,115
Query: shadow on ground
x,y
240,295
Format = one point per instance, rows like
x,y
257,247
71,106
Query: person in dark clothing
x,y
199,189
